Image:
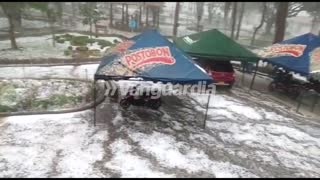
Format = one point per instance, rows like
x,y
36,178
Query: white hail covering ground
x,y
80,72
40,47
25,23
67,145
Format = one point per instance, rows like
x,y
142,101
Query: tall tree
x,y
242,9
282,13
176,19
111,14
234,18
210,9
91,15
200,7
51,11
74,12
294,8
10,9
264,9
227,7
312,8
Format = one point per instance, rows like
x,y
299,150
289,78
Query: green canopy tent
x,y
213,44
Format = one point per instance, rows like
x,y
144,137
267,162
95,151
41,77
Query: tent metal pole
x,y
254,76
299,101
205,117
314,103
94,101
242,79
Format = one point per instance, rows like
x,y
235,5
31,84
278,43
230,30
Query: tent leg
x,y
254,76
242,79
314,103
94,101
205,117
299,102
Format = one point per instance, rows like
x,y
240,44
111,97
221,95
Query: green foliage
x,y
67,52
61,41
67,37
115,41
90,13
6,108
82,48
103,43
49,8
79,40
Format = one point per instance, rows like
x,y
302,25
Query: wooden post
x,y
254,76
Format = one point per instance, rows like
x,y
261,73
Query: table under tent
x,y
151,57
300,55
213,45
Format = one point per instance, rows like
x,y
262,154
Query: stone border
x,y
90,105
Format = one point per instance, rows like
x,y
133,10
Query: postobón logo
x,y
149,56
295,50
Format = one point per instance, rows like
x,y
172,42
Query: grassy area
x,y
32,95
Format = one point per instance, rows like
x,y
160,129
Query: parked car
x,y
222,72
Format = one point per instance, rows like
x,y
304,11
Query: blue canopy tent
x,y
152,57
300,54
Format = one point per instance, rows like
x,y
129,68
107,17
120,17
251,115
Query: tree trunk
x,y
59,6
147,16
18,20
234,19
154,17
73,6
90,30
280,28
158,18
127,15
140,16
261,23
313,25
210,6
199,6
269,24
176,19
226,12
111,15
11,32
122,19
53,34
240,20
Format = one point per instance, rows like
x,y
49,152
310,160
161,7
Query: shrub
x,y
115,41
79,40
94,52
70,48
82,48
103,43
56,38
91,41
61,41
67,52
68,37
5,108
